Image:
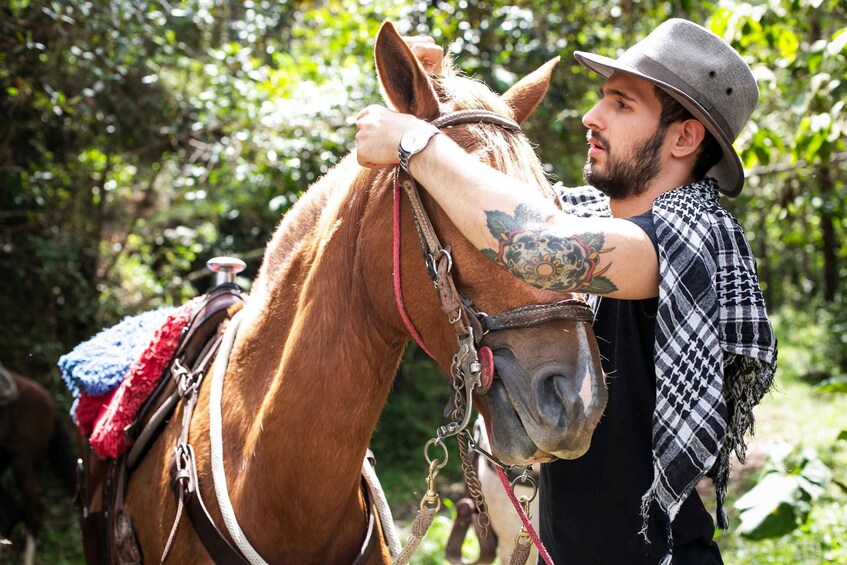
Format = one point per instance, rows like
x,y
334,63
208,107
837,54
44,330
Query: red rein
x,y
486,358
398,292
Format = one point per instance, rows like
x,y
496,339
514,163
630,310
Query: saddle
x,y
106,528
8,389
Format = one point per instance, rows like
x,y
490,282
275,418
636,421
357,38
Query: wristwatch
x,y
413,141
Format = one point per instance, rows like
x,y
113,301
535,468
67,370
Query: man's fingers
x,y
363,112
410,39
430,55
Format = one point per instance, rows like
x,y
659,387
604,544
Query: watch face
x,y
410,140
415,139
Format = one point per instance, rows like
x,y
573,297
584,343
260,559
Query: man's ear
x,y
405,84
687,136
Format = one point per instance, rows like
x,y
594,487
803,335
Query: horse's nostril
x,y
553,398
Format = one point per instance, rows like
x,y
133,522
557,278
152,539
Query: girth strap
x,y
184,482
184,473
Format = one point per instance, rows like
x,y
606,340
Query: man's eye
x,y
622,104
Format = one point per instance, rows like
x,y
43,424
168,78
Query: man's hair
x,y
672,112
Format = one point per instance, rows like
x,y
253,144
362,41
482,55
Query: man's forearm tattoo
x,y
545,260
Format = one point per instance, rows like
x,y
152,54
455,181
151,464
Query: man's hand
x,y
427,52
380,130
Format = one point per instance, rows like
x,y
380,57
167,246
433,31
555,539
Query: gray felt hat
x,y
704,73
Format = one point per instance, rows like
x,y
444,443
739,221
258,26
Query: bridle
x,y
469,323
473,364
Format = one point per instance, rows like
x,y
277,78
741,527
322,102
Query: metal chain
x,y
483,520
468,469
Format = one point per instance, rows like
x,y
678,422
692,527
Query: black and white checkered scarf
x,y
715,351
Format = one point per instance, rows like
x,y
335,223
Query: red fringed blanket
x,y
104,417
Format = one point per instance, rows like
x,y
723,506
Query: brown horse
x,y
321,338
30,434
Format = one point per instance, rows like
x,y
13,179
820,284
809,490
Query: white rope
x,y
382,508
216,437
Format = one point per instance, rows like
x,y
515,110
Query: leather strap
x,y
439,264
465,512
371,536
476,117
460,311
184,471
185,484
156,410
184,481
538,314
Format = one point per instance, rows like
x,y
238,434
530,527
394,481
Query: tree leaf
x,y
833,384
772,508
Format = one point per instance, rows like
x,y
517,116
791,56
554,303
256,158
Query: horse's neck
x,y
316,352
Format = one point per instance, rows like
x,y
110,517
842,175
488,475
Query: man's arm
x,y
511,223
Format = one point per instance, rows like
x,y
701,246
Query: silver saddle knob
x,y
225,269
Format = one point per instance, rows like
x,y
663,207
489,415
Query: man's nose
x,y
592,119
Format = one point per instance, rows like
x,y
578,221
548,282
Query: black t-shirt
x,y
590,508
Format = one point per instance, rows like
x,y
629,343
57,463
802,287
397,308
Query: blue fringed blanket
x,y
98,366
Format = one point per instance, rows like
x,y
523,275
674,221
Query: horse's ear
x,y
405,84
528,92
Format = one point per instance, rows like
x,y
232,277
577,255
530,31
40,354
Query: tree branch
x,y
765,170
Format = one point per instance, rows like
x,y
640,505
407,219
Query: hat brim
x,y
729,171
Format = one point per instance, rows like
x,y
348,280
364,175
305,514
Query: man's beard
x,y
624,178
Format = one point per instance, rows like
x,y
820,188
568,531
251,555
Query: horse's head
x,y
549,391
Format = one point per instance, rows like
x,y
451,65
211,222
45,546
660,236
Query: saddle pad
x,y
97,366
104,417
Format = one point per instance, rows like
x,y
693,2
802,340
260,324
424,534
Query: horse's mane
x,y
300,221
506,151
316,213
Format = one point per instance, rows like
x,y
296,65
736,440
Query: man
x,y
680,318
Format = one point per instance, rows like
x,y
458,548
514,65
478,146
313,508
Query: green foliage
x,y
143,138
800,429
819,540
795,205
139,139
800,333
783,498
834,384
819,504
